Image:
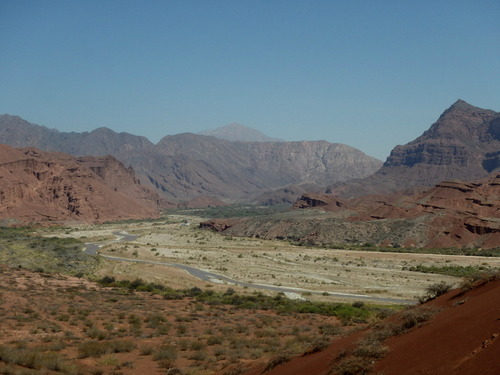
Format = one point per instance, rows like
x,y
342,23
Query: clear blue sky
x,y
371,74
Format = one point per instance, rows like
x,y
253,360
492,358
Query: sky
x,y
370,74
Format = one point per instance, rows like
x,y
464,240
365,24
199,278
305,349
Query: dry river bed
x,y
313,272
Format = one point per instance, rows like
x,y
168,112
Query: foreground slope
x,y
39,186
460,335
463,338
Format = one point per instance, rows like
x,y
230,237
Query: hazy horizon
x,y
371,76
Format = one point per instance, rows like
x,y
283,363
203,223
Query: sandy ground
x,y
178,239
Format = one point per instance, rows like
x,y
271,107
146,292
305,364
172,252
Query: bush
x,y
98,348
438,289
417,316
277,360
353,366
32,358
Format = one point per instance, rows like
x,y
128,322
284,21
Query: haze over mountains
x,y
463,144
240,133
185,166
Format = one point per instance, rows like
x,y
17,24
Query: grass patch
x,y
231,211
356,312
451,270
22,248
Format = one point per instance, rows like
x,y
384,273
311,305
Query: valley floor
x,y
316,273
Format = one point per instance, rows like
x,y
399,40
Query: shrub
x,y
98,348
214,340
165,355
32,358
277,360
353,366
434,291
438,289
417,316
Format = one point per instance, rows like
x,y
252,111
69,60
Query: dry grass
x,y
52,322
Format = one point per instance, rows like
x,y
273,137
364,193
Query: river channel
x,y
293,293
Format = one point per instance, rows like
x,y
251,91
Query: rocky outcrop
x,y
324,201
43,186
459,145
218,225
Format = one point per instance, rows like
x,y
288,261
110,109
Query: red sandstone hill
x,y
460,337
457,213
452,214
39,186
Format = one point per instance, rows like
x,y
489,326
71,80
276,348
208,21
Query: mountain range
x,y
186,166
462,144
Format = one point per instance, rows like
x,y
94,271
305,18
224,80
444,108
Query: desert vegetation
x,y
62,324
69,312
24,248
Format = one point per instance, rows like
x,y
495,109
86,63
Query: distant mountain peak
x,y
239,133
462,106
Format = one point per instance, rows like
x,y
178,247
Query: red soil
x,y
463,338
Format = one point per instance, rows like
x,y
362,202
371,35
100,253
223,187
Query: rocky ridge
x,y
47,186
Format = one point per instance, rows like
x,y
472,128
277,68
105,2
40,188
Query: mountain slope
x,y
457,334
463,144
40,186
195,164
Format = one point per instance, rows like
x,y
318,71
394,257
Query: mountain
x,y
239,133
189,165
463,144
185,166
48,186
